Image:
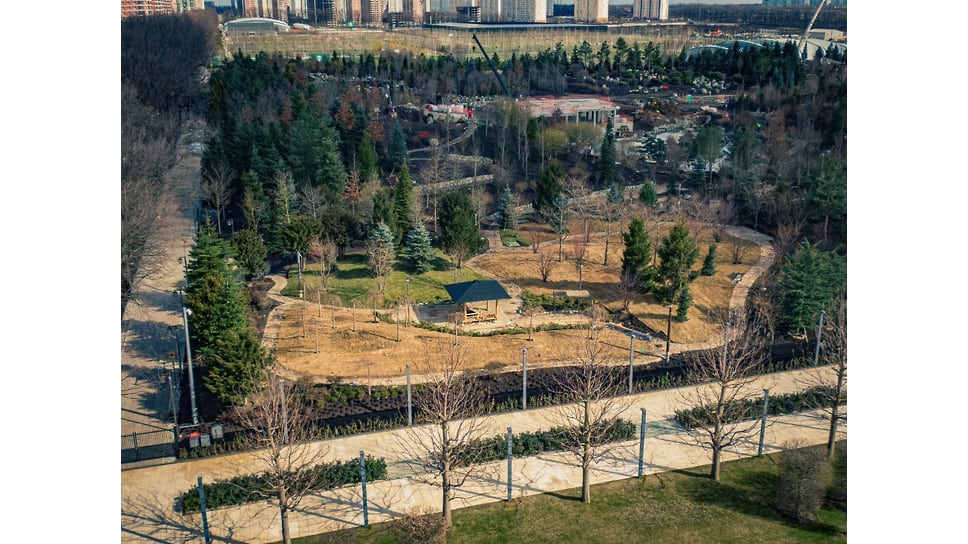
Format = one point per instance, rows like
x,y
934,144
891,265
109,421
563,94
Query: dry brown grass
x,y
343,353
710,294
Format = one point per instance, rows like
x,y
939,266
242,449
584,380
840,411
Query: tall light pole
x,y
524,378
816,354
668,332
191,375
408,301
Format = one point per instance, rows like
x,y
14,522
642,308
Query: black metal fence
x,y
150,445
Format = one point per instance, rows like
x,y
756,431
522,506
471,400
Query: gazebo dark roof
x,y
475,291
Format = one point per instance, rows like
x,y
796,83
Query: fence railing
x,y
150,445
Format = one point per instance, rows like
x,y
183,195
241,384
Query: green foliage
x,y
648,195
709,264
398,148
379,251
685,301
234,364
419,253
530,444
216,301
638,248
507,216
248,489
553,304
809,279
403,207
606,161
677,255
549,186
811,399
457,226
366,160
251,251
298,235
826,192
381,207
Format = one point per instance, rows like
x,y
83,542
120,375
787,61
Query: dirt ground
x,y
344,354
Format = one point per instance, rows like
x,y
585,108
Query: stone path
x,y
147,502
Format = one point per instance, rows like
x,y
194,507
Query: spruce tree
x,y
648,195
508,216
685,301
677,255
419,253
251,251
638,248
549,186
606,163
233,364
809,279
398,148
457,226
709,264
402,219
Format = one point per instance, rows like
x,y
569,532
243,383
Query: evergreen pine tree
x,y
233,364
709,264
648,195
403,218
549,186
398,148
381,207
808,280
508,216
606,162
677,255
638,248
685,301
419,253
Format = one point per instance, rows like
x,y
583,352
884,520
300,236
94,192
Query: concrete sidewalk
x,y
145,337
148,494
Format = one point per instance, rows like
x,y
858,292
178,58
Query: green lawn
x,y
510,236
352,280
676,507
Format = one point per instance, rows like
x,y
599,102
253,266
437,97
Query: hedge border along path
x,y
811,399
244,489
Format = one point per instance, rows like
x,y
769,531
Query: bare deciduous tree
x,y
833,377
324,252
628,286
458,252
282,437
802,482
217,189
451,404
724,376
546,265
592,402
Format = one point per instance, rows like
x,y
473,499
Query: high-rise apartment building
x,y
525,11
135,8
657,10
591,11
373,11
413,10
491,11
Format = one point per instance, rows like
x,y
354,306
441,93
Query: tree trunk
x,y
715,471
835,414
586,488
284,515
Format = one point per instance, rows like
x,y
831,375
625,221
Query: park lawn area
x,y
510,236
672,507
352,281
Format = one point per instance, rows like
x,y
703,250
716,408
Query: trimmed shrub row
x,y
475,334
246,489
554,304
811,399
555,439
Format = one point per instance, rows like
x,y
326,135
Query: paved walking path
x,y
148,494
145,338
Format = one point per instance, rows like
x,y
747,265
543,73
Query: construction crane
x,y
494,68
803,40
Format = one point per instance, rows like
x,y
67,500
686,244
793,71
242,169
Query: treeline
x,y
762,16
162,62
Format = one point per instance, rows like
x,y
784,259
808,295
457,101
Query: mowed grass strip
x,y
672,507
352,280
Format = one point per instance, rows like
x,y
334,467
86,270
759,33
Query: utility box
x,y
217,433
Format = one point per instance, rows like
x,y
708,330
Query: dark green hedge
x,y
246,489
554,304
811,399
528,444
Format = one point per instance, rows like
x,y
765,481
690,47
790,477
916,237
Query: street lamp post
x,y
408,301
524,378
191,375
668,332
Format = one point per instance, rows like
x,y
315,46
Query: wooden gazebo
x,y
463,294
